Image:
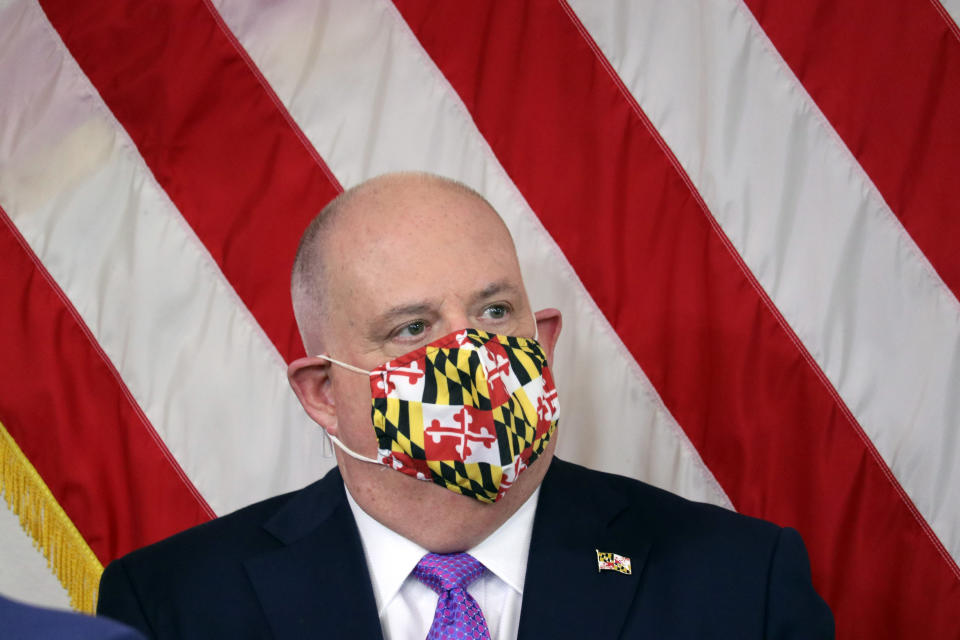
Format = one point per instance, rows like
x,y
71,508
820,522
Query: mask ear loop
x,y
332,438
327,447
347,450
343,364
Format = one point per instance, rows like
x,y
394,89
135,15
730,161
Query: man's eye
x,y
496,311
412,329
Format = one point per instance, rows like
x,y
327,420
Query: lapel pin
x,y
607,561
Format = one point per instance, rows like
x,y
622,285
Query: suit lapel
x,y
564,594
317,584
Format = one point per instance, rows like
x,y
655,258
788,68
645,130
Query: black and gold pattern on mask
x,y
454,375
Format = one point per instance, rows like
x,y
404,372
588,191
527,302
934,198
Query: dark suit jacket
x,y
293,567
20,621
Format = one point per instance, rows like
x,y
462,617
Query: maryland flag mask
x,y
469,411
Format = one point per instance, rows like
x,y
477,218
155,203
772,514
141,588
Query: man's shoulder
x,y
241,528
210,580
664,515
594,481
247,531
697,568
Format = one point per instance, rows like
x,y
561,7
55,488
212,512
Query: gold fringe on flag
x,y
67,553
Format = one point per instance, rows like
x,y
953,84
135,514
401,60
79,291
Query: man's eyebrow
x,y
427,309
413,309
494,289
385,321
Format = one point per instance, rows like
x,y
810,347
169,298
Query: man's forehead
x,y
427,279
402,224
391,204
406,243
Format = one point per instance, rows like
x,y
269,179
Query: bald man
x,y
393,265
447,512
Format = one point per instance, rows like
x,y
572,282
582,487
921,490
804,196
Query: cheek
x,y
353,413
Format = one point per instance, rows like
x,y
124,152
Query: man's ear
x,y
310,379
549,322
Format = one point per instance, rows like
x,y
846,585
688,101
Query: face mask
x,y
470,411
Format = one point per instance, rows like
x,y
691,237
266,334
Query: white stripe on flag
x,y
369,98
810,225
199,366
953,8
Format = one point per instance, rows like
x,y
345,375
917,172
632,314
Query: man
x,y
409,298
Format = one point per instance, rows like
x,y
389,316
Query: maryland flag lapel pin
x,y
607,561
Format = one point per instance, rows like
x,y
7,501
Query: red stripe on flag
x,y
66,407
213,133
762,415
889,82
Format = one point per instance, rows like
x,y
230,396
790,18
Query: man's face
x,y
404,265
404,272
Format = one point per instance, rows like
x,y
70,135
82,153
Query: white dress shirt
x,y
406,605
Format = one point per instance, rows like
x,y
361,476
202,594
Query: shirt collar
x,y
391,557
504,552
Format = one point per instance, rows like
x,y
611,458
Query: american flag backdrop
x,y
745,209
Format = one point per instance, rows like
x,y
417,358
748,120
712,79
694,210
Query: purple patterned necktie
x,y
458,614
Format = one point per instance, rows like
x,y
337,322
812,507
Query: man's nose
x,y
455,320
